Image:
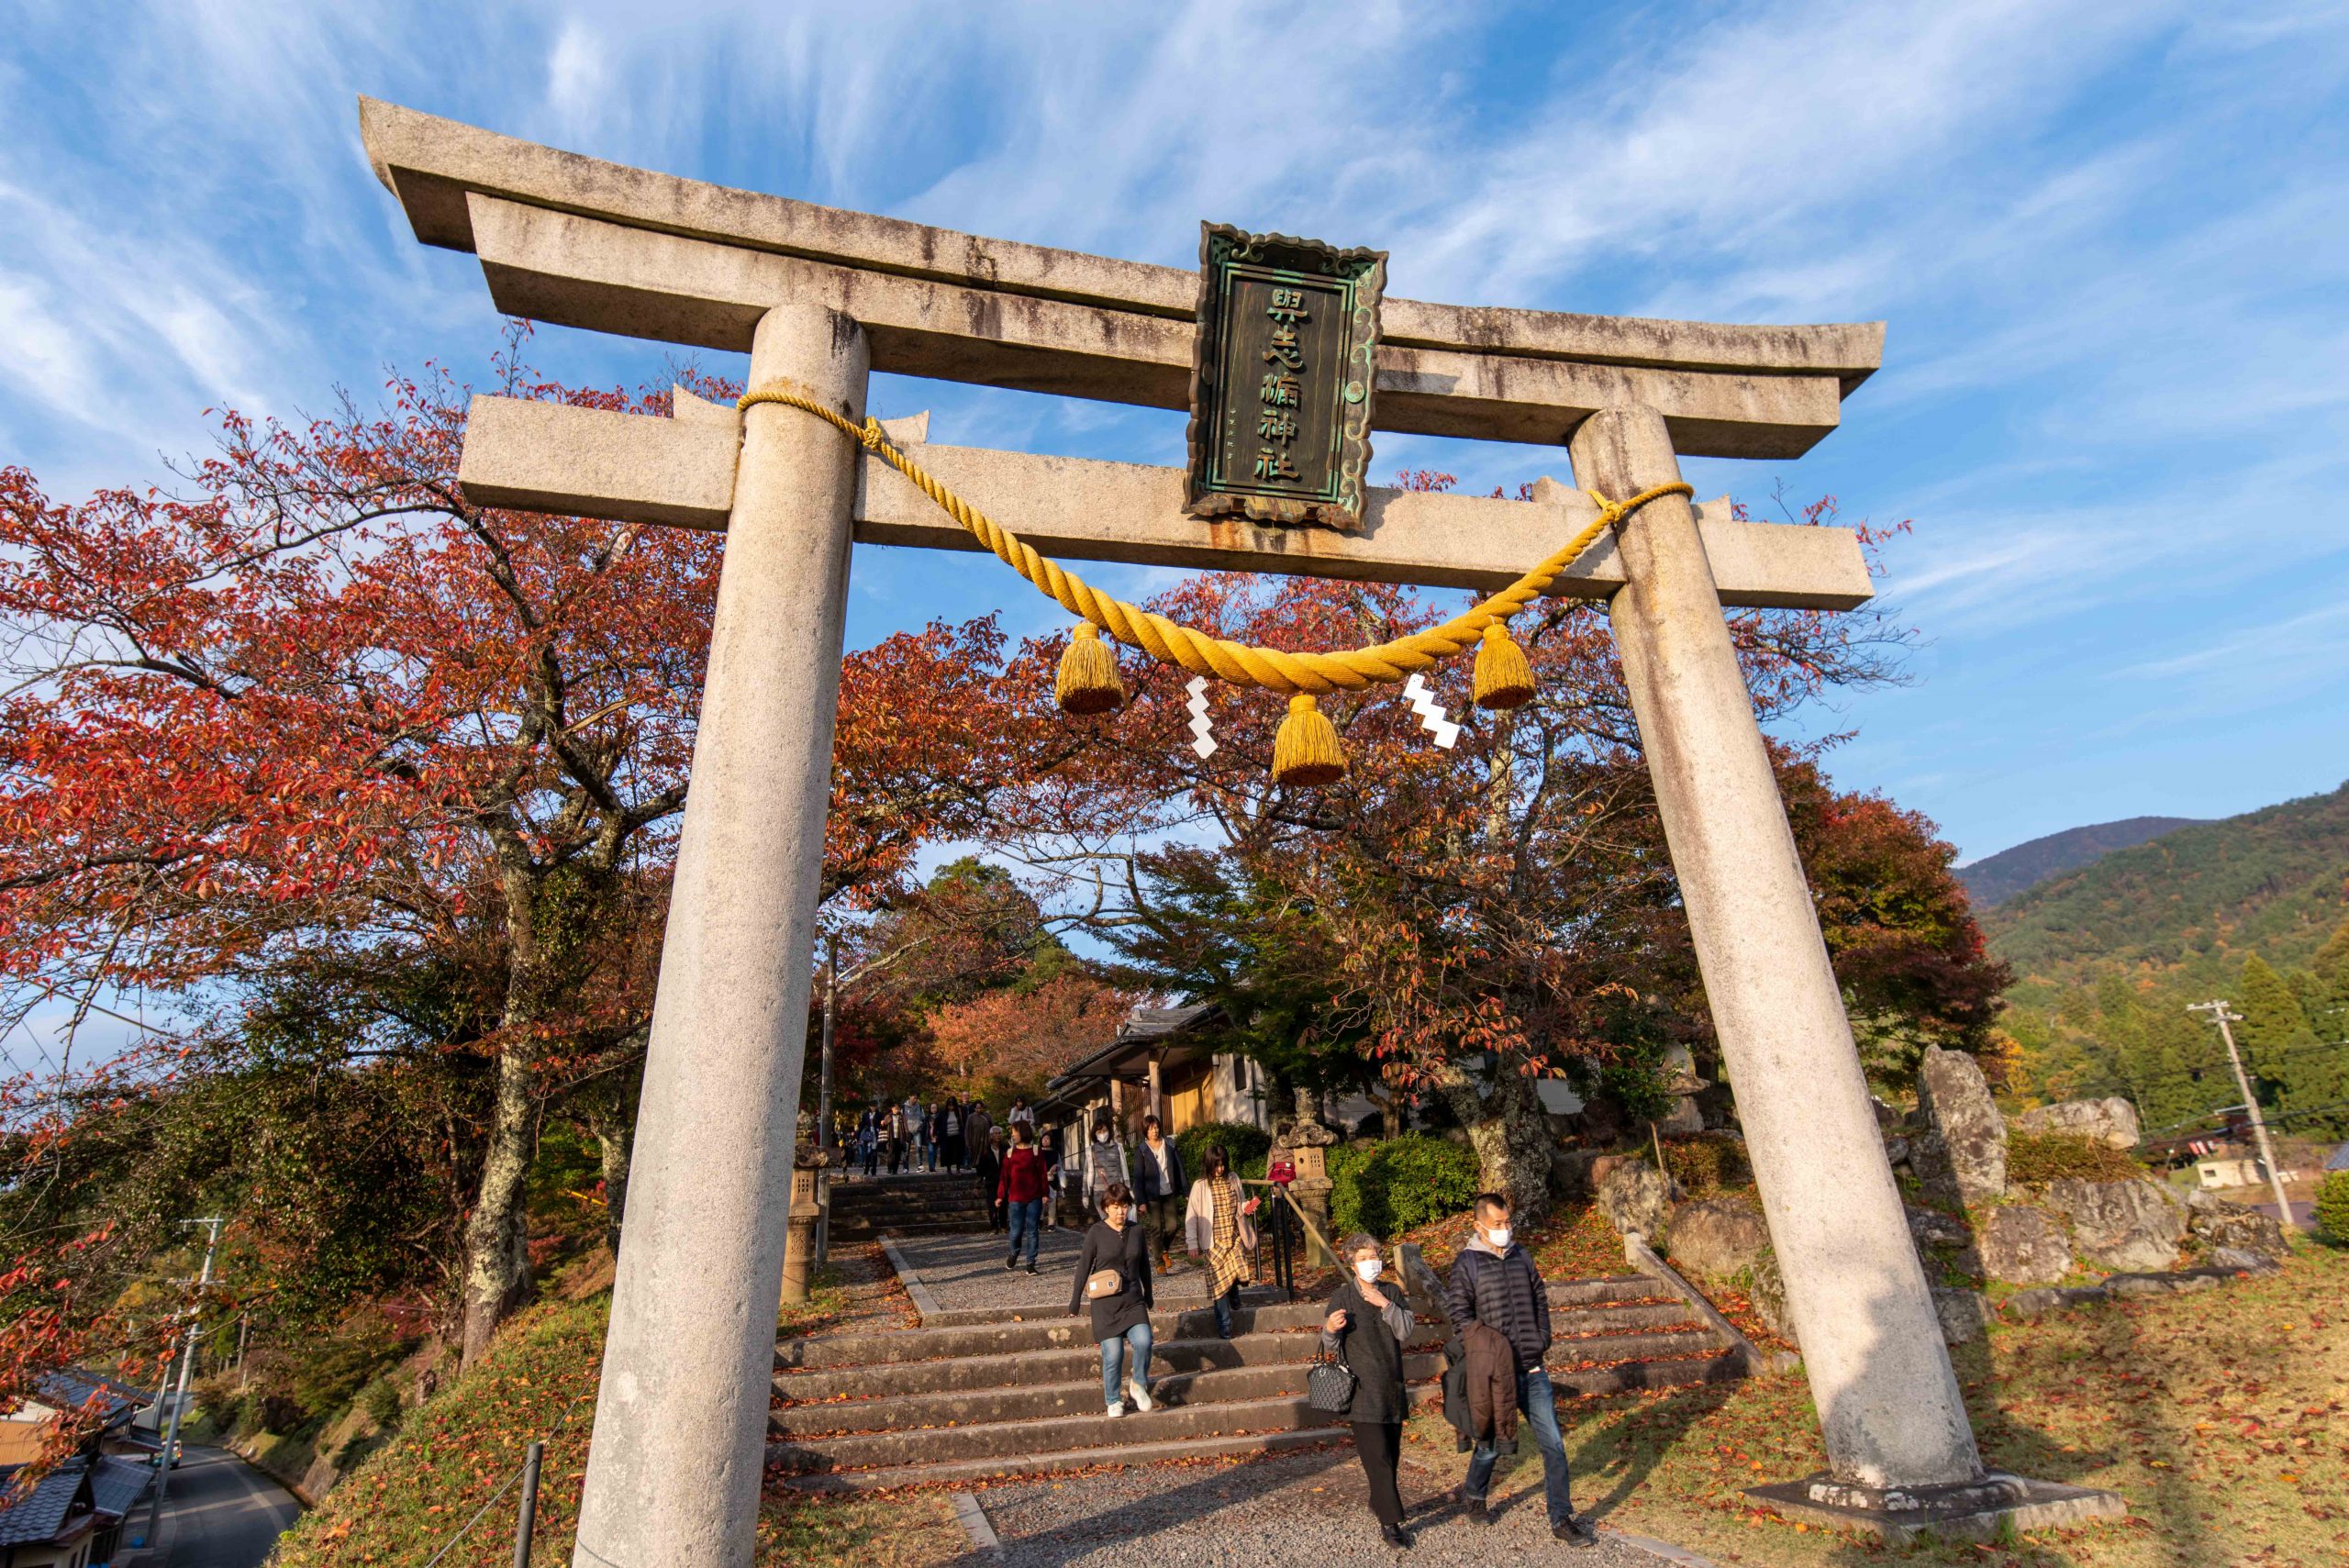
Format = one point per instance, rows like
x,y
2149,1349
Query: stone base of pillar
x,y
1974,1510
1313,1200
798,1255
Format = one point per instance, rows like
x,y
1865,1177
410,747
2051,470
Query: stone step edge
x,y
1635,1347
1721,1366
1425,1375
896,1477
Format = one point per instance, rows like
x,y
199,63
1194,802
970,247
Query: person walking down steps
x,y
1216,1222
1157,1183
990,1171
1113,1276
1366,1329
1105,1164
1495,1283
1020,1190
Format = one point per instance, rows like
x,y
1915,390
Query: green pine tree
x,y
2302,1078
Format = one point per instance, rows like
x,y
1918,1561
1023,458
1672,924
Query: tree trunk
x,y
1511,1137
497,1256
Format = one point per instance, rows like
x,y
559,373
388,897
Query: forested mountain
x,y
2253,909
2191,904
1994,879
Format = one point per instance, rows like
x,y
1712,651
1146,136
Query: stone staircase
x,y
926,1205
911,1407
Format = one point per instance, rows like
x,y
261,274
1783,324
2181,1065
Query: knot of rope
x,y
1170,642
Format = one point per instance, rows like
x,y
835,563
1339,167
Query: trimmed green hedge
x,y
1243,1144
2332,1206
1398,1185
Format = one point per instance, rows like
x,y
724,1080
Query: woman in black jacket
x,y
1115,1245
1366,1329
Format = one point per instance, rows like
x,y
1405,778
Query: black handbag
x,y
1330,1386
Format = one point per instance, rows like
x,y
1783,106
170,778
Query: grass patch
x,y
450,1456
2219,1417
2037,1158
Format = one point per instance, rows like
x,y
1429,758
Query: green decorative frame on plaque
x,y
1283,374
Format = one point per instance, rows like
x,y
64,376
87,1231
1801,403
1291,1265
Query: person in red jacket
x,y
1020,1190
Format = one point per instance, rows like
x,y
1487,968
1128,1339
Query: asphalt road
x,y
220,1513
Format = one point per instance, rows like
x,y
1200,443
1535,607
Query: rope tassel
x,y
1503,677
1306,753
1088,676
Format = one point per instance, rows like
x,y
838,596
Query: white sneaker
x,y
1139,1394
1115,1410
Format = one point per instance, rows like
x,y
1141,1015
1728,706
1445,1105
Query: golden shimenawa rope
x,y
1170,642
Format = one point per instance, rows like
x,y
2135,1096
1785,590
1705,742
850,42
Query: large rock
x,y
1930,1227
1768,1293
1964,1314
1570,1171
2230,1227
2121,1227
2023,1245
1717,1236
1635,1196
2113,1120
1962,1158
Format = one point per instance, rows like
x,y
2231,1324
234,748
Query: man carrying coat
x,y
1494,1282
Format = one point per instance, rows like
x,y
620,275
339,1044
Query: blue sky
x,y
2110,240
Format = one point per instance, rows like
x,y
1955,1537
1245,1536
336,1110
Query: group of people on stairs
x,y
952,1133
1496,1300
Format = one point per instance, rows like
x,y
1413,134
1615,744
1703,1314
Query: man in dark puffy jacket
x,y
1494,1282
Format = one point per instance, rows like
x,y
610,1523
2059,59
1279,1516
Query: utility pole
x,y
2220,1014
824,1076
169,1455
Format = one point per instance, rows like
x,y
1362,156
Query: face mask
x,y
1368,1268
1498,1237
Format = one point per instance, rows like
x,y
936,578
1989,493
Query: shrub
x,y
1246,1145
1705,1165
220,1400
381,1402
2037,1157
1398,1186
2332,1206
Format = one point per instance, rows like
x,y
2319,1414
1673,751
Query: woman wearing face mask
x,y
1366,1329
1113,1274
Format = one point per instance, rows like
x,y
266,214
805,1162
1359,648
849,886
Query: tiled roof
x,y
120,1483
70,1387
25,1519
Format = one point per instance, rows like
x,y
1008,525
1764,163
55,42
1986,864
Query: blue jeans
x,y
1137,1339
1537,1409
1027,1221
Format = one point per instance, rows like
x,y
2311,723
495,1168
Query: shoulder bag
x,y
1103,1282
1330,1386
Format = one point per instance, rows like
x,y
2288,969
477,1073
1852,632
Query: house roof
x,y
118,1485
41,1514
2340,1158
70,1388
1147,1032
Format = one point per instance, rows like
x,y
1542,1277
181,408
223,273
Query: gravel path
x,y
1297,1509
964,1272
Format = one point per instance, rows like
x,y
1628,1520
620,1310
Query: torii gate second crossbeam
x,y
819,298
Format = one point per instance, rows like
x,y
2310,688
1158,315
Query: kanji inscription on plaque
x,y
1281,378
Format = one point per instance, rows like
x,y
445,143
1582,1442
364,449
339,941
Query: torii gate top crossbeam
x,y
578,241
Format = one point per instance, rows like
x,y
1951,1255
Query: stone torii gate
x,y
819,298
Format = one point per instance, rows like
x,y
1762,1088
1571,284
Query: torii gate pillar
x,y
1888,1403
673,1473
